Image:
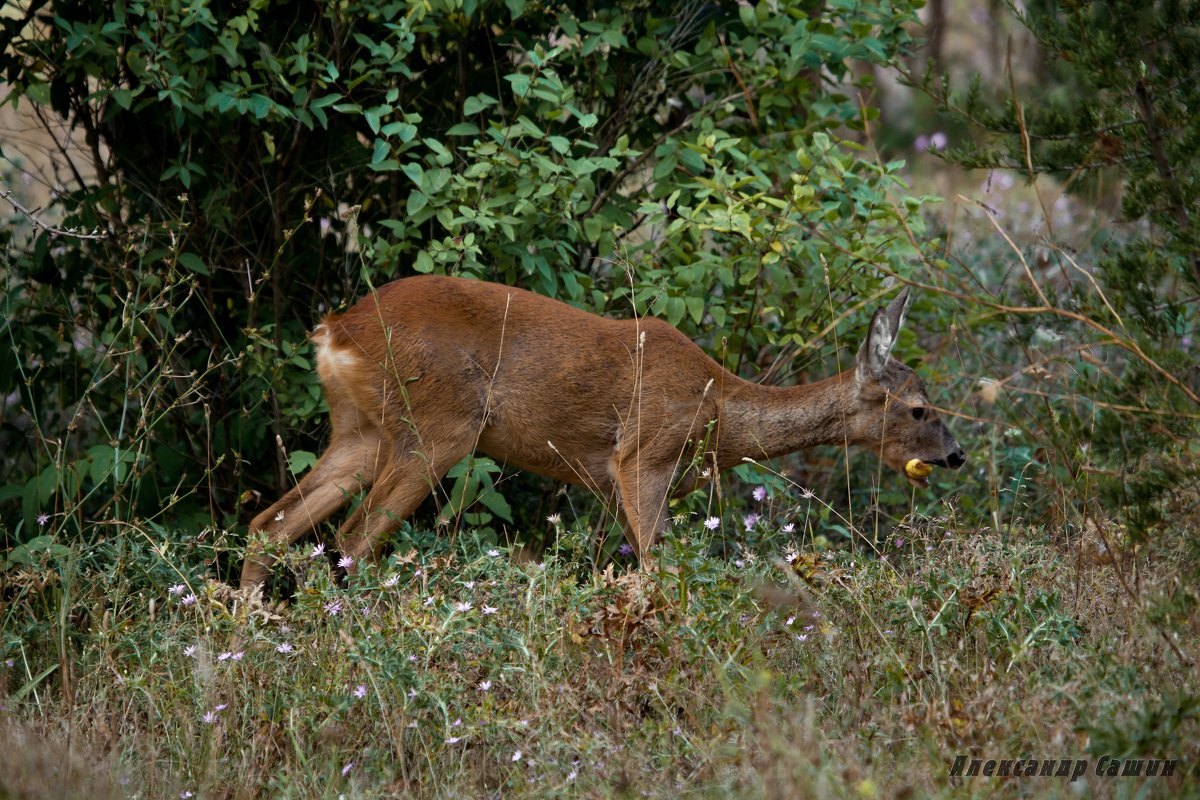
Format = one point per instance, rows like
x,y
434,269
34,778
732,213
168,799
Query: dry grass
x,y
45,758
721,680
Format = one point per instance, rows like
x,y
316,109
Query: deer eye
x,y
918,413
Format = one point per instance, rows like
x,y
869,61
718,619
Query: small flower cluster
x,y
211,716
755,520
935,142
178,591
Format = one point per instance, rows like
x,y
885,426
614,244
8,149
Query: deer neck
x,y
762,422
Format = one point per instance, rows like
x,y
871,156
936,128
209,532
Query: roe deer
x,y
428,369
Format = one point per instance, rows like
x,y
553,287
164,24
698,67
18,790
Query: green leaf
x,y
38,92
31,552
496,503
593,226
193,262
530,127
382,150
300,461
675,310
416,201
374,115
476,103
20,694
520,83
100,458
404,131
415,172
749,18
718,314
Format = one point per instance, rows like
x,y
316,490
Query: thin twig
x,y
1127,345
32,216
1027,150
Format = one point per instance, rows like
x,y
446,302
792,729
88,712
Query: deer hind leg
x,y
348,464
407,478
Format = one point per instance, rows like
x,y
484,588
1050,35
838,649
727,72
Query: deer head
x,y
891,413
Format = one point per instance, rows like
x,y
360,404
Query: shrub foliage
x,y
252,165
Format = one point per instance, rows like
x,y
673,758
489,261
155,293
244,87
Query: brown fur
x,y
427,369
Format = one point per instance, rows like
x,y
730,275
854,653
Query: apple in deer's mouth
x,y
918,471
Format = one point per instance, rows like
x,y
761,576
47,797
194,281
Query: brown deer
x,y
428,369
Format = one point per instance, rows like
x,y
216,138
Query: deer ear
x,y
896,311
881,338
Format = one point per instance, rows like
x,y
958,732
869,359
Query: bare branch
x,y
33,217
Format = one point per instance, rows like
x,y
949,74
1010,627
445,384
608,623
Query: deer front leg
x,y
644,491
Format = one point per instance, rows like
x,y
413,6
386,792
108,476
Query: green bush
x,y
254,165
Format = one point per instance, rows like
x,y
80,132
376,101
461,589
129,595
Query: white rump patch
x,y
331,360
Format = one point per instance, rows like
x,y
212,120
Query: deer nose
x,y
956,459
